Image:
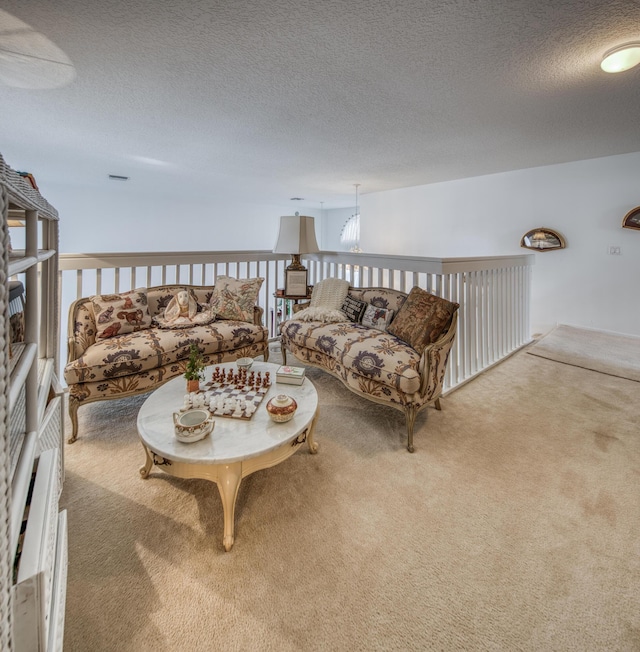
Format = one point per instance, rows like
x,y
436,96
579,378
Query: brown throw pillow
x,y
422,319
118,314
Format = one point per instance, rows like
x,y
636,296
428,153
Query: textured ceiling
x,y
270,99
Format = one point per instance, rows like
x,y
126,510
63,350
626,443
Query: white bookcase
x,y
32,428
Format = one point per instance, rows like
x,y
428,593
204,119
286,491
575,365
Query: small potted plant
x,y
194,371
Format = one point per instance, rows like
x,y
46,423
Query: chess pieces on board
x,y
231,394
242,379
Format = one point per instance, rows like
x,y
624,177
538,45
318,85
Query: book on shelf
x,y
290,375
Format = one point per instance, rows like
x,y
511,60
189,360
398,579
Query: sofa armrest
x,y
433,363
258,313
81,328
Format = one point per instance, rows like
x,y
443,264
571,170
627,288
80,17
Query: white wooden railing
x,y
493,292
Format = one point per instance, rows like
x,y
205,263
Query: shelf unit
x,y
34,552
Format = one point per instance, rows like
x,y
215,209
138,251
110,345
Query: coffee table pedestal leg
x,y
229,478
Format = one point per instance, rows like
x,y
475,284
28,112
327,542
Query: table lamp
x,y
297,236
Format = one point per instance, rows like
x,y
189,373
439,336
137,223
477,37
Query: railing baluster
x,y
472,321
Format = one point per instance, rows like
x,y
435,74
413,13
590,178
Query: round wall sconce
x,y
542,239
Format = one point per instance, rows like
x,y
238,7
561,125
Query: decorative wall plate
x,y
632,219
542,239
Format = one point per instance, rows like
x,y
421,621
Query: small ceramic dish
x,y
244,363
192,425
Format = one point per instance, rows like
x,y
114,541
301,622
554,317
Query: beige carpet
x,y
514,526
603,352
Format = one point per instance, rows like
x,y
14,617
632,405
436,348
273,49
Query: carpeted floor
x,y
616,355
514,526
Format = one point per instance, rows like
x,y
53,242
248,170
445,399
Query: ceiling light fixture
x,y
621,58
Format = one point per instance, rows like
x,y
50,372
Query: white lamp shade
x,y
297,235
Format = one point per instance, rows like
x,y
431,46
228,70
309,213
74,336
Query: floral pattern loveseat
x,y
373,362
104,367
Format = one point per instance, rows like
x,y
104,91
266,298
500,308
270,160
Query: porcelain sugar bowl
x,y
281,408
192,425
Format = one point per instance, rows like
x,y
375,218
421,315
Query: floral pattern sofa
x,y
377,364
103,367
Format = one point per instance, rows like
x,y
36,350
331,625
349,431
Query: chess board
x,y
234,393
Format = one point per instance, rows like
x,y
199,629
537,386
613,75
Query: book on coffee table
x,y
290,375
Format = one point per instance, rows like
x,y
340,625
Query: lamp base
x,y
296,265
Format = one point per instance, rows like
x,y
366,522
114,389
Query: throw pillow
x,y
353,308
119,314
377,317
234,298
422,319
182,312
329,293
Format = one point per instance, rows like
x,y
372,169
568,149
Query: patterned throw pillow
x,y
234,298
422,319
377,317
353,308
118,314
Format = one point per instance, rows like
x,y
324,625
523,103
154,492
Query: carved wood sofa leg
x,y
74,404
410,413
265,355
283,350
437,404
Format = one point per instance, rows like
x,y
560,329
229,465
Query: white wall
x,y
585,201
114,216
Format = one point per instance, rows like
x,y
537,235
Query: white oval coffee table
x,y
235,448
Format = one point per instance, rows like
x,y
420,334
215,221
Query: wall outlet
x,y
615,250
